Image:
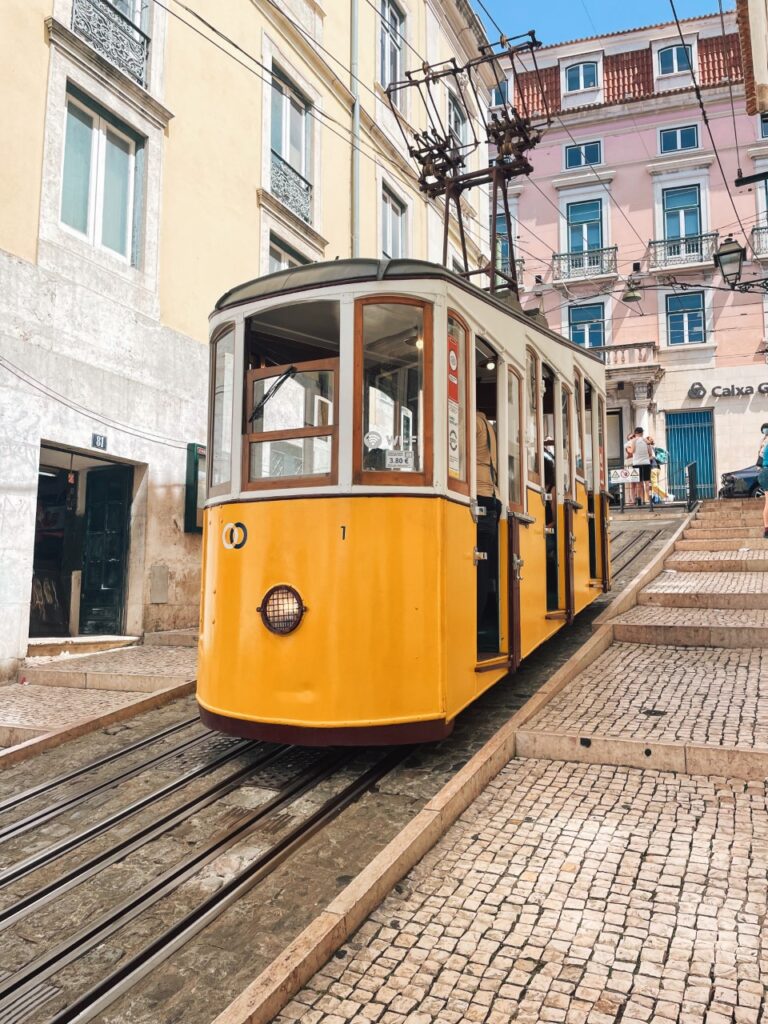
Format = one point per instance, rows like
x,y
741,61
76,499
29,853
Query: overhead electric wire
x,y
730,86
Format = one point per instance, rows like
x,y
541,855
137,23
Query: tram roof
x,y
348,271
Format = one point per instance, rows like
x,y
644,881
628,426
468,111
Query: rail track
x,y
312,789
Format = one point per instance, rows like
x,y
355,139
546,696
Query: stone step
x,y
142,669
672,589
52,646
722,544
725,504
172,638
692,627
752,517
713,533
742,560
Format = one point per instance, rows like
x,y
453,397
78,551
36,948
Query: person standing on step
x,y
642,453
762,476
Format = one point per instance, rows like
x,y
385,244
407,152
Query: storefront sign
x,y
698,390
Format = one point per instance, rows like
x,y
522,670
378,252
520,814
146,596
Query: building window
x,y
392,25
585,225
583,154
685,319
673,139
457,120
290,141
674,59
682,212
282,256
392,226
581,76
98,178
586,325
502,243
764,126
500,94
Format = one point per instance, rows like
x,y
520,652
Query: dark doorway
x,y
105,549
57,549
550,489
488,503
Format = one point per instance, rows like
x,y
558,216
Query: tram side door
x,y
488,504
515,510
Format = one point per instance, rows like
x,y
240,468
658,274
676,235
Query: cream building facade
x,y
157,154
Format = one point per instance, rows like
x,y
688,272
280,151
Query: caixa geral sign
x,y
698,390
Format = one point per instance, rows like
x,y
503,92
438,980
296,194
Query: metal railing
x,y
113,35
566,266
633,353
759,240
677,252
692,478
519,267
291,188
672,485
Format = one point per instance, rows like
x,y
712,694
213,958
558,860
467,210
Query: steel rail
x,y
160,949
81,872
59,780
51,853
97,930
17,828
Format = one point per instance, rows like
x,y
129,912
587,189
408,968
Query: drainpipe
x,y
354,85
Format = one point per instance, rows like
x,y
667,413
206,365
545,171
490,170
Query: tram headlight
x,y
281,609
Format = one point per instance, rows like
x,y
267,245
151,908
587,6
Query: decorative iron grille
x,y
760,240
113,35
590,263
291,188
677,252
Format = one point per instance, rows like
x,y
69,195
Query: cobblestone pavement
x,y
51,707
709,583
132,661
570,893
686,695
706,617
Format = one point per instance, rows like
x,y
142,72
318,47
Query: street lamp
x,y
632,291
729,257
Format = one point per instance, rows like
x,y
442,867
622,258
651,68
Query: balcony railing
x,y
567,266
519,267
631,354
760,240
678,252
112,35
291,188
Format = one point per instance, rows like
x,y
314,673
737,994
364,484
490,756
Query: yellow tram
x,y
357,588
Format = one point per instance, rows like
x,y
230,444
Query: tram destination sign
x,y
697,390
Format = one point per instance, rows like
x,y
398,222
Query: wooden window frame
x,y
532,476
580,417
517,506
384,478
309,480
462,486
215,490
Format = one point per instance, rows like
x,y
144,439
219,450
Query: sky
x,y
560,20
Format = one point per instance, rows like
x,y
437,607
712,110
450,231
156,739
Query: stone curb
x,y
288,972
628,597
49,740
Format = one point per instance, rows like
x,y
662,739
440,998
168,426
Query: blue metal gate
x,y
690,439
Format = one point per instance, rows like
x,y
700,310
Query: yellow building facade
x,y
157,154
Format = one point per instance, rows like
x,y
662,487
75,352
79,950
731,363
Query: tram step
x,y
693,627
747,590
744,560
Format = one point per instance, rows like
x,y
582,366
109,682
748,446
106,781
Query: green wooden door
x,y
105,549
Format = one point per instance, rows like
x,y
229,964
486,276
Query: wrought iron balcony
x,y
291,188
519,267
679,252
759,240
570,266
113,35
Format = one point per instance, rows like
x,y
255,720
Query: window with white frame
x,y
457,119
672,140
584,154
585,225
131,9
685,319
502,243
392,226
581,76
500,93
682,212
586,325
764,126
391,44
674,59
282,256
98,178
290,124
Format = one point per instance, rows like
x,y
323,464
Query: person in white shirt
x,y
642,453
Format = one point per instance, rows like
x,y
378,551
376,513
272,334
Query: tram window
x,y
514,403
532,439
588,442
291,419
457,404
565,433
222,393
393,399
578,441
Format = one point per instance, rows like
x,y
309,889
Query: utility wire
x,y
730,86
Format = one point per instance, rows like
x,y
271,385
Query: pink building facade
x,y
627,185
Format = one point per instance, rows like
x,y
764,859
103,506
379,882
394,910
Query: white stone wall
x,y
74,361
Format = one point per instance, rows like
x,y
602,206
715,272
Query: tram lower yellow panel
x,y
389,634
583,593
535,627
